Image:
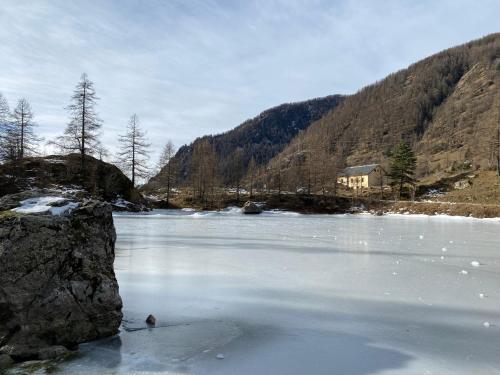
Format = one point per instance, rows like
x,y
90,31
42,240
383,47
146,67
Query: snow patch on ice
x,y
475,263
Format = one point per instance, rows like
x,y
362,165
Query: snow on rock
x,y
120,202
481,295
475,263
56,206
487,324
464,272
444,249
220,356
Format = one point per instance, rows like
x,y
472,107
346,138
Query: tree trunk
x,y
21,149
168,183
82,151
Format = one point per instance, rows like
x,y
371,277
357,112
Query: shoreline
x,y
315,204
405,214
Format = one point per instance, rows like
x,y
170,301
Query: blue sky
x,y
195,67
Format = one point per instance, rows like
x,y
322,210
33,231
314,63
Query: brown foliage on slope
x,y
446,106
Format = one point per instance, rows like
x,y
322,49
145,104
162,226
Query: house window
x,y
362,179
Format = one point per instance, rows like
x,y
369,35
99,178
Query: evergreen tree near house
x,y
402,168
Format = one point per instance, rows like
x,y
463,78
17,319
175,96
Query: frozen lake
x,y
283,293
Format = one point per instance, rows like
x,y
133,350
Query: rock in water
x,y
57,283
151,320
251,208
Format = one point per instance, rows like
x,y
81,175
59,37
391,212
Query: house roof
x,y
359,170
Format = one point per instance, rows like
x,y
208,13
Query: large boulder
x,y
57,283
101,180
251,208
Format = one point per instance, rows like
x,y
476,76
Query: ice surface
x,y
365,296
45,204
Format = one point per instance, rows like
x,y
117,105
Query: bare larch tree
x,y
134,155
204,175
167,166
21,134
81,134
7,146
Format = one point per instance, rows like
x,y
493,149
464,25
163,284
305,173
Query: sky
x,y
189,68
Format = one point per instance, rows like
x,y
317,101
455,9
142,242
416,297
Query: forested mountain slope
x,y
446,106
260,138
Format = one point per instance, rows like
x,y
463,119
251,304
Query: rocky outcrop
x,y
57,283
251,208
100,180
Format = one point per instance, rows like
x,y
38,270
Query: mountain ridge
x,y
445,106
259,138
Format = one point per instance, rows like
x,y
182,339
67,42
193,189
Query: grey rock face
x,y
57,283
251,208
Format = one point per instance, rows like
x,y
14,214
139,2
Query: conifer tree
x,y
402,168
81,134
134,154
22,128
167,166
7,144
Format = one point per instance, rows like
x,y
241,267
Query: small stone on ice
x,y
464,272
486,324
474,263
219,356
151,320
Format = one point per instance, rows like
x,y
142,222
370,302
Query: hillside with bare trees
x,y
260,139
447,107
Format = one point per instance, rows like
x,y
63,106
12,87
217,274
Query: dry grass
x,y
484,188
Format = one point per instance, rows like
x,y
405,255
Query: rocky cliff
x,y
57,283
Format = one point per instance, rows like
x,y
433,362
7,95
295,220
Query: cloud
x,y
190,68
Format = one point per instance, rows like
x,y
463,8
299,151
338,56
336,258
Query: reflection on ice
x,y
280,293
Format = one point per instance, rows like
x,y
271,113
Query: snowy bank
x,y
57,206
